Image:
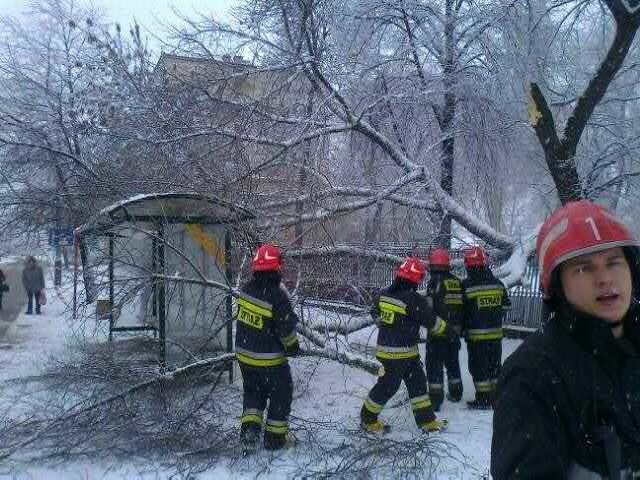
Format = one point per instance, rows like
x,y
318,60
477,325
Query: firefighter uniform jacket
x,y
441,351
266,323
485,300
445,289
566,397
400,314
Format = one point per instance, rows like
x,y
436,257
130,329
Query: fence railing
x,y
526,309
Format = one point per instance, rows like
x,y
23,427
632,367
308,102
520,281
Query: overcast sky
x,y
148,13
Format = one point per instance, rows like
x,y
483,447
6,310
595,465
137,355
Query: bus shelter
x,y
161,262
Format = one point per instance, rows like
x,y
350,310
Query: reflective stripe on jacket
x,y
445,290
265,329
400,311
485,299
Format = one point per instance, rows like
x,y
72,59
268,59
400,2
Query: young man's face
x,y
598,284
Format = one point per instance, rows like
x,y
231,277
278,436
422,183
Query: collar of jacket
x,y
436,276
594,334
632,325
402,285
480,273
438,270
267,278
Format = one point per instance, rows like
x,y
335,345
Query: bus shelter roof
x,y
173,207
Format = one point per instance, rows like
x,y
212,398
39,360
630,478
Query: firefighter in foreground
x,y
445,290
485,300
265,336
568,403
400,311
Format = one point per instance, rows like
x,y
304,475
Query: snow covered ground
x,y
327,400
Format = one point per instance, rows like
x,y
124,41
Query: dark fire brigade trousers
x,y
443,353
392,373
262,384
485,359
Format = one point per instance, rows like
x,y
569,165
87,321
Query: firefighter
x,y
485,300
265,336
400,311
445,290
568,403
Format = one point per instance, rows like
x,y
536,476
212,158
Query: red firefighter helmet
x,y
268,258
475,257
439,258
412,270
578,228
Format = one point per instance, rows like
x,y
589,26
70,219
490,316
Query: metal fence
x,y
527,307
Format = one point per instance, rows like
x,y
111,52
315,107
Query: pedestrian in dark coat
x,y
265,336
33,281
568,402
3,287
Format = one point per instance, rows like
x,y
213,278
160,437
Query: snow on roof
x,y
170,207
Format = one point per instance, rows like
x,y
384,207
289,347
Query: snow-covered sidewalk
x,y
327,397
28,340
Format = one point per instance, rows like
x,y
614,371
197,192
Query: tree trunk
x,y
302,178
446,124
560,153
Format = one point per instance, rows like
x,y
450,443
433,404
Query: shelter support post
x,y
154,292
111,300
75,279
229,304
161,298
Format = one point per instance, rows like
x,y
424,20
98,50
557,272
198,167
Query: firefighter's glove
x,y
439,329
435,426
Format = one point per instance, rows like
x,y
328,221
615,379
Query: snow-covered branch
x,y
324,251
345,358
451,206
405,200
324,213
512,271
258,140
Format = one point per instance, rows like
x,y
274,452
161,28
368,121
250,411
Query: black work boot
x,y
455,392
250,438
369,422
274,441
437,397
483,401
